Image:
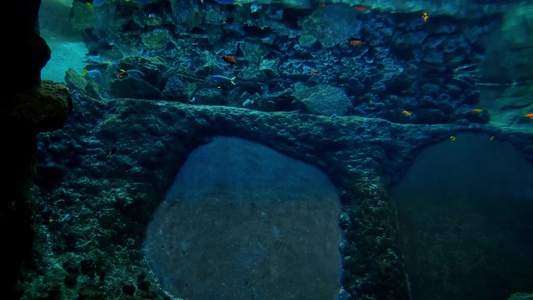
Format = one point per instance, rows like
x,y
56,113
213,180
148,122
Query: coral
x,y
322,99
270,66
156,39
253,53
193,19
331,25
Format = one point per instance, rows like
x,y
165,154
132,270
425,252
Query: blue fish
x,y
220,78
135,73
95,75
102,2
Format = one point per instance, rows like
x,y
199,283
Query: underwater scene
x,y
280,149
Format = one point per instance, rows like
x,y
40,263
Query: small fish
x,y
477,110
102,2
361,7
133,72
94,74
321,4
229,59
425,17
220,78
530,116
108,63
407,113
65,218
122,73
313,72
112,151
238,2
492,138
452,138
356,43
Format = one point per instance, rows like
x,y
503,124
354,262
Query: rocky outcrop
x,y
26,108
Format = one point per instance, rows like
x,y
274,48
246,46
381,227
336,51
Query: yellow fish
x,y
452,138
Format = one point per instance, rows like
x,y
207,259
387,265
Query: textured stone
x,y
322,99
243,221
40,109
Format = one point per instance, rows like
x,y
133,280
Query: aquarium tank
x,y
268,149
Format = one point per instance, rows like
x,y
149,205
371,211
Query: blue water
x,y
419,114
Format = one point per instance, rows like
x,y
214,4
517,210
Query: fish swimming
x,y
94,74
102,2
407,113
222,79
228,2
529,116
229,59
425,17
356,43
361,7
112,151
133,72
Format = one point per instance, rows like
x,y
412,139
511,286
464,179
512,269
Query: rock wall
x,y
27,107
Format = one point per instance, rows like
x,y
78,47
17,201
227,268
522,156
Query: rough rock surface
x,y
270,223
102,187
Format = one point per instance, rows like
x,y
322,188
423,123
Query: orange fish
x,y
425,17
356,43
313,72
361,7
529,116
477,110
321,4
122,73
407,113
229,59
